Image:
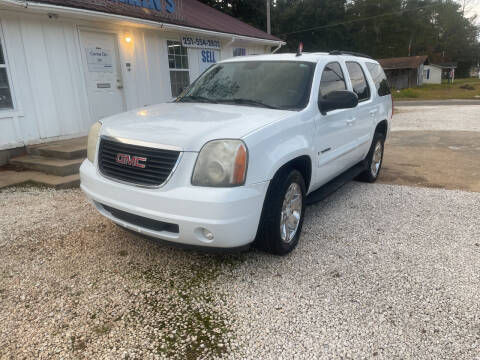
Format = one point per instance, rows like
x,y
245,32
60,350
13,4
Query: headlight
x,y
221,163
93,140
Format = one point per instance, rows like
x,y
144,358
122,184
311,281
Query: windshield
x,y
272,84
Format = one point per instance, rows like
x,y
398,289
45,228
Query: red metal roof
x,y
190,13
407,62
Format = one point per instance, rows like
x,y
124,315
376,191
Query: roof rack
x,y
339,52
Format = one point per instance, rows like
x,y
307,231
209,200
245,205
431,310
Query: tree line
x,y
379,28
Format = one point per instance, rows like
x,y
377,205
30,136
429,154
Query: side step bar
x,y
336,183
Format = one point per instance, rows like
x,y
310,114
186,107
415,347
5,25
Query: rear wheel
x,y
374,159
282,215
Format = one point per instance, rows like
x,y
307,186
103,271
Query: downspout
x,y
230,42
277,48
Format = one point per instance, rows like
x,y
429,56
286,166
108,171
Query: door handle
x,y
351,121
374,111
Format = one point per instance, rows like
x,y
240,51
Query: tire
x,y
274,235
374,159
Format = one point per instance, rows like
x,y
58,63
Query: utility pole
x,y
269,27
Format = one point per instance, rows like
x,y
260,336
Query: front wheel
x,y
374,159
282,215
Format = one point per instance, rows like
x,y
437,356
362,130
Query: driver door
x,y
334,139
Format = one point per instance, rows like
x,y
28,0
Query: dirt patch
x,y
438,159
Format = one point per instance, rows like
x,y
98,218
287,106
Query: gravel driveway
x,y
381,271
434,118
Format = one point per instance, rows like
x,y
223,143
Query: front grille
x,y
142,221
153,171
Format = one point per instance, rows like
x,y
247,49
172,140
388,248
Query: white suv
x,y
232,160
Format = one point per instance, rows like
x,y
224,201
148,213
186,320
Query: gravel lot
x,y
453,118
381,271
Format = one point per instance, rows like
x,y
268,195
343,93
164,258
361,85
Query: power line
x,y
357,20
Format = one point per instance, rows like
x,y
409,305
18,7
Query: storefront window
x,y
5,94
178,64
239,52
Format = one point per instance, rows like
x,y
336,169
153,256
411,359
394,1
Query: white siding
x,y
47,75
434,74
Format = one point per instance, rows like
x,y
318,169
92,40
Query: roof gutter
x,y
105,16
21,3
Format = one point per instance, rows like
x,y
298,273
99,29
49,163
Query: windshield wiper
x,y
250,102
195,98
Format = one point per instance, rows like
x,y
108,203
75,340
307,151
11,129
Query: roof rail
x,y
339,52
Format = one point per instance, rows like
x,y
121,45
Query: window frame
x,y
7,112
323,70
239,48
367,80
170,70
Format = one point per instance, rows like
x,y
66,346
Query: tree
x,y
380,28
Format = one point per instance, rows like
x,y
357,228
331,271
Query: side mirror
x,y
342,99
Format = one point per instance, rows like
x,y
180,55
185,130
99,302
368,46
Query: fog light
x,y
207,233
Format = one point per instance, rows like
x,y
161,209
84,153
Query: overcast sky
x,y
472,7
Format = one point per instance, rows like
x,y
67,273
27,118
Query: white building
x,y
432,74
66,63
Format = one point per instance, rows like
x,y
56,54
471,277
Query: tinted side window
x,y
332,79
359,82
380,79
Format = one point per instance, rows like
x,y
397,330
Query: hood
x,y
189,125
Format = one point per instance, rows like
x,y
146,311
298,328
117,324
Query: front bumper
x,y
230,214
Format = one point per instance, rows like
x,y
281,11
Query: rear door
x,y
383,99
335,141
365,112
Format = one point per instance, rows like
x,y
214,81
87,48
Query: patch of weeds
x,y
184,308
467,87
123,253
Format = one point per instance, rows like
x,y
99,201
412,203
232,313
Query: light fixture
x,y
128,39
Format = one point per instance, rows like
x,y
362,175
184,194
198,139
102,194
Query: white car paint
x,y
333,143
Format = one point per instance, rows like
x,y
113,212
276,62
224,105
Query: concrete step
x,y
52,166
57,182
65,149
22,178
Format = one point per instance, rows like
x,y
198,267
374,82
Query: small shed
x,y
404,72
432,74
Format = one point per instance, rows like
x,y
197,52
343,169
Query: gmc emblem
x,y
130,160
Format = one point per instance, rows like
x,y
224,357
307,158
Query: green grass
x,y
461,89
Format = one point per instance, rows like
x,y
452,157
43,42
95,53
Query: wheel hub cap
x,y
291,212
377,159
